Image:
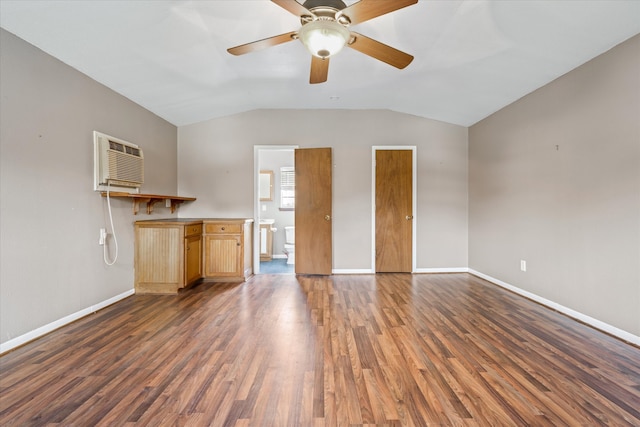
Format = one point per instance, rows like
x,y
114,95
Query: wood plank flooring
x,y
278,350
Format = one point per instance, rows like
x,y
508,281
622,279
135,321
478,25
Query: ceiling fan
x,y
325,31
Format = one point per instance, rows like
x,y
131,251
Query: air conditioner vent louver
x,y
125,167
117,163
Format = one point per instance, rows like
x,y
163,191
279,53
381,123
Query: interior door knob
x,y
408,217
327,218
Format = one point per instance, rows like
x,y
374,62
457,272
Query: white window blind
x,y
287,188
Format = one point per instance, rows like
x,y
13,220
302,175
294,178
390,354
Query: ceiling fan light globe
x,y
323,38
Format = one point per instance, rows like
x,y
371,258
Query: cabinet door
x,y
158,255
193,258
223,255
266,242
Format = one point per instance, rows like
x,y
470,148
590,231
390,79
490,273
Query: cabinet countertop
x,y
186,221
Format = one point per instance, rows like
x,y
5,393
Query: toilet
x,y
290,244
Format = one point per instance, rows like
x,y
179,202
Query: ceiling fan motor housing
x,y
329,9
333,4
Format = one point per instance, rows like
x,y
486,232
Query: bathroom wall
x,y
273,160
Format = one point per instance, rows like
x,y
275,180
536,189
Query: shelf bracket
x,y
175,204
150,204
136,205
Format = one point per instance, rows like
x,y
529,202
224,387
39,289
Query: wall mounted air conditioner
x,y
118,165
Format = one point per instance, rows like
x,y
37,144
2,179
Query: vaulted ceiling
x,y
472,57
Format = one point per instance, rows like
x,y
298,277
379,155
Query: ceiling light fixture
x,y
324,37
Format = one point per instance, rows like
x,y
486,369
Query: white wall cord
x,y
113,231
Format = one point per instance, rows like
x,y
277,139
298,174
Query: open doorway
x,y
274,214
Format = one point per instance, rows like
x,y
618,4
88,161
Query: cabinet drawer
x,y
193,229
220,228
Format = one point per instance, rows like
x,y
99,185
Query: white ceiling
x,y
471,57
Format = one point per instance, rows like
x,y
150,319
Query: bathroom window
x,y
287,188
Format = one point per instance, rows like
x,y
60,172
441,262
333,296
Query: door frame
x,y
257,149
414,193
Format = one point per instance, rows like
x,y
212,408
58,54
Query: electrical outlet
x,y
103,236
523,265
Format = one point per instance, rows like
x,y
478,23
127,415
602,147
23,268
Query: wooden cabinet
x,y
168,255
228,249
171,254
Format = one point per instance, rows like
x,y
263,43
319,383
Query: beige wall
x,y
215,163
554,179
51,263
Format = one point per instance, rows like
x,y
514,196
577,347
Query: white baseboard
x,y
442,270
43,330
418,270
605,327
352,271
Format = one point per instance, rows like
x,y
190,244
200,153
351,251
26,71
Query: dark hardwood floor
x,y
278,350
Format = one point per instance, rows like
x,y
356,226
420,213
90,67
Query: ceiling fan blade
x,y
369,9
380,51
294,7
319,70
262,44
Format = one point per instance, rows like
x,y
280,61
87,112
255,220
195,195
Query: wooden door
x,y
394,211
313,211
